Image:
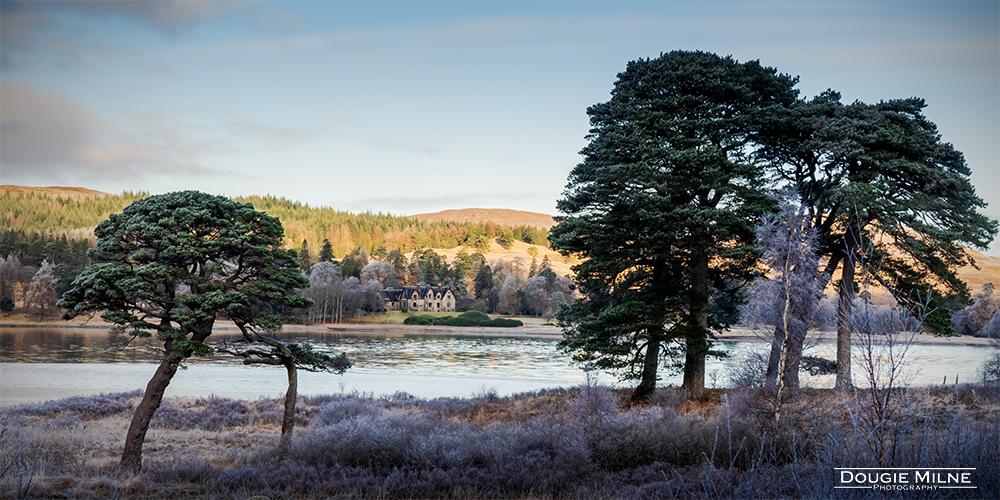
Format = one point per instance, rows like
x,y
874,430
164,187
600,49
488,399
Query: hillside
x,y
989,271
83,208
519,250
75,193
498,216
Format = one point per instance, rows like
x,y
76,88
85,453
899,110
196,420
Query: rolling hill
x,y
989,266
498,216
75,193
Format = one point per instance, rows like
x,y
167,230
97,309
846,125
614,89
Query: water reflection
x,y
508,358
397,352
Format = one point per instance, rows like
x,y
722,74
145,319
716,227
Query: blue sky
x,y
411,107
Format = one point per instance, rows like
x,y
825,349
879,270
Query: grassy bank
x,y
579,443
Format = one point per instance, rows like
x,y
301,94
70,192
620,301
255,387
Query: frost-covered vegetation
x,y
577,443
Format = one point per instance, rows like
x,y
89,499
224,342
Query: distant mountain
x,y
498,216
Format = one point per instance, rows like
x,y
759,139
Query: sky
x,y
415,107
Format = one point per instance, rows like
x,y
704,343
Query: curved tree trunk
x,y
151,399
291,395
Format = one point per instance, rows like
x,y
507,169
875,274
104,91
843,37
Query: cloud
x,y
21,19
47,138
163,14
26,26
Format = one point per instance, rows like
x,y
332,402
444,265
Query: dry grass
x,y
577,443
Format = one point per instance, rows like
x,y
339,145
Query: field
x,y
579,443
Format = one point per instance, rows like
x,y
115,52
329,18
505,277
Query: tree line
x,y
304,226
341,289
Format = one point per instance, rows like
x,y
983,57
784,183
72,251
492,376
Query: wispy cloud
x,y
45,137
24,25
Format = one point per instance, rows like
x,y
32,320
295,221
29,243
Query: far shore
x,y
534,329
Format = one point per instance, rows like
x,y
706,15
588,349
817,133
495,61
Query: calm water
x,y
46,363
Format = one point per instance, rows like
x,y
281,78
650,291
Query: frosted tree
x,y
973,318
790,298
382,271
43,292
9,268
536,296
326,290
510,302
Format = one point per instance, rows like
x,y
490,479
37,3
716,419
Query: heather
x,y
586,442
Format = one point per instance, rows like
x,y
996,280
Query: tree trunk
x,y
647,383
694,366
774,358
846,296
796,338
291,395
132,455
135,437
696,341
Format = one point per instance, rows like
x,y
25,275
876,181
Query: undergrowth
x,y
577,443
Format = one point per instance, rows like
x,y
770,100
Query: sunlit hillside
x,y
499,216
74,211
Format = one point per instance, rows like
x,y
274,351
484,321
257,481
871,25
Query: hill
x,y
80,209
74,193
498,216
989,271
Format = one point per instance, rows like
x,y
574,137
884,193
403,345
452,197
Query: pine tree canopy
x,y
175,262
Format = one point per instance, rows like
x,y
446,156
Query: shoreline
x,y
528,331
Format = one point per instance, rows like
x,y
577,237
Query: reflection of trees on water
x,y
446,355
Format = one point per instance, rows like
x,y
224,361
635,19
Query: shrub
x,y
215,414
505,323
990,371
346,408
475,316
423,319
449,321
83,407
189,471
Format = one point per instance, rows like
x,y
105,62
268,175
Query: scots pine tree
x,y
172,264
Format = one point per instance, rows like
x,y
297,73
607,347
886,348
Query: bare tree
x,y
789,299
325,287
536,296
43,292
373,298
9,268
24,276
882,346
510,302
788,245
384,272
974,318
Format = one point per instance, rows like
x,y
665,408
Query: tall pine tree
x,y
662,208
